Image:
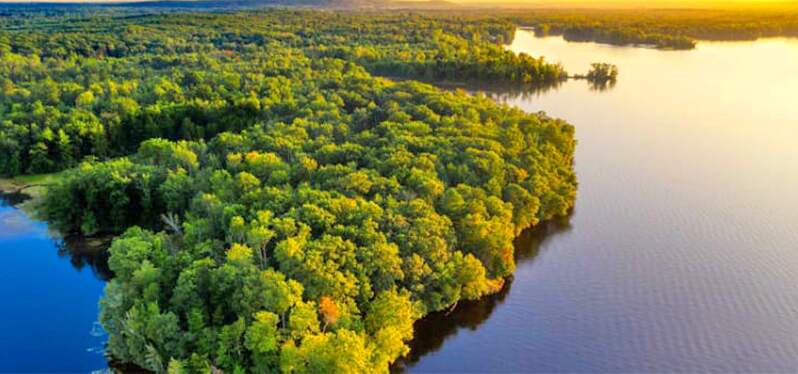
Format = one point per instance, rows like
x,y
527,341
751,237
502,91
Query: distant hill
x,y
433,4
233,4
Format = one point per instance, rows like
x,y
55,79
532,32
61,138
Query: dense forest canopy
x,y
280,207
98,86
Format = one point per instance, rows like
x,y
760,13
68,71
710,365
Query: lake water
x,y
682,252
50,293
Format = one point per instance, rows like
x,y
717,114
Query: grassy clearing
x,y
32,186
22,181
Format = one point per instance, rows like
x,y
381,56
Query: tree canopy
x,y
280,207
77,87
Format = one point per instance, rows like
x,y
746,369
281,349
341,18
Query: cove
x,y
51,290
681,253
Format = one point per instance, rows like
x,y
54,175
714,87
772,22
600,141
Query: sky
x,y
637,2
633,3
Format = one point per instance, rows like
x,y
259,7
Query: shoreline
x,y
25,192
433,329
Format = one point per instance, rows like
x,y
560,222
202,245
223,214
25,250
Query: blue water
x,y
680,255
49,301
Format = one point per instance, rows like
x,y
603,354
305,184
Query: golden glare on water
x,y
680,255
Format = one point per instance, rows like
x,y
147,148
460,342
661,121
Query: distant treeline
x,y
662,28
665,29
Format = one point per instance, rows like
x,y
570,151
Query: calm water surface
x,y
50,295
681,255
682,252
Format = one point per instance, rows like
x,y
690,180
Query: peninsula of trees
x,y
280,208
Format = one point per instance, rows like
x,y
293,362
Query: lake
x,y
48,322
682,252
680,255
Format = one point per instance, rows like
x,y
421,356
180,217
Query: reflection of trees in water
x,y
503,91
601,86
431,331
12,198
83,252
507,92
434,329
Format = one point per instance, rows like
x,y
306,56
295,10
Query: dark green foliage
x,y
99,87
105,197
282,208
602,73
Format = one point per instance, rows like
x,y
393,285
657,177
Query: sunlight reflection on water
x,y
681,253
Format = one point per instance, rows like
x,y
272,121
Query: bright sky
x,y
635,3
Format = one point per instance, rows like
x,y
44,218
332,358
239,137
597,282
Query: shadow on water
x,y
87,252
496,89
508,91
81,251
13,198
502,89
433,330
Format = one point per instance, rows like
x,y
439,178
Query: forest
x,y
279,206
99,86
